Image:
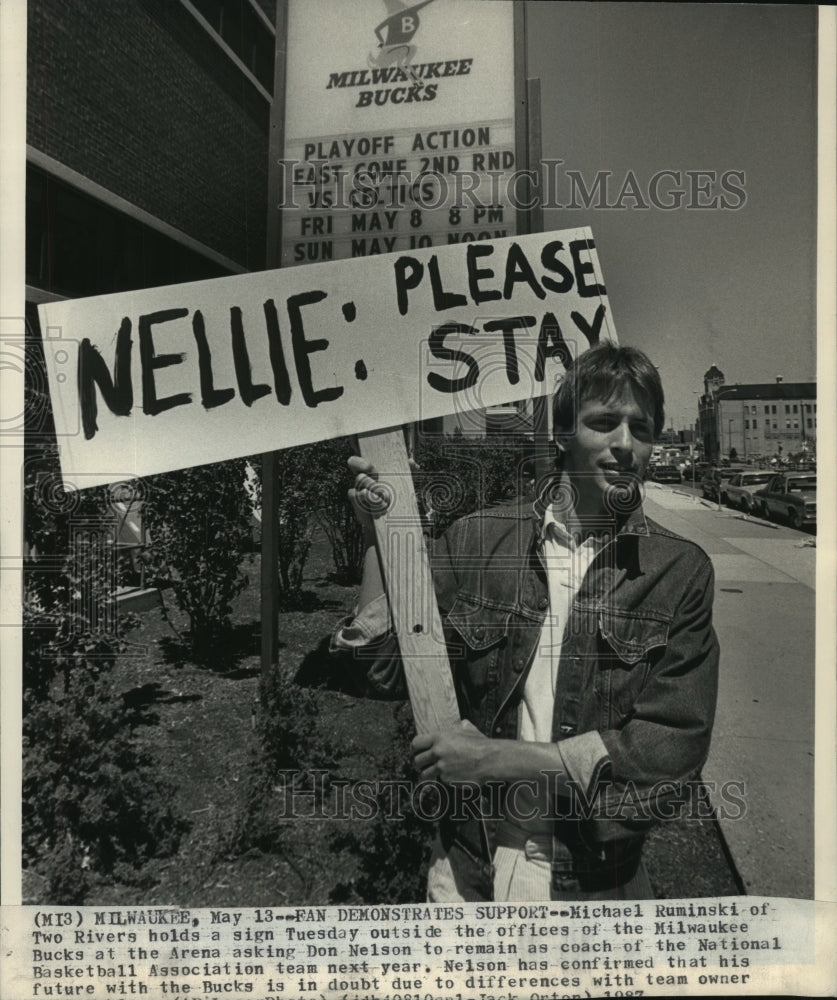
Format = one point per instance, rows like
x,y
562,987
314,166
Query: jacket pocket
x,y
475,635
627,646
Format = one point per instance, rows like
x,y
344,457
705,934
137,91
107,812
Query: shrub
x,y
393,855
199,529
335,514
312,485
289,738
91,803
458,475
297,496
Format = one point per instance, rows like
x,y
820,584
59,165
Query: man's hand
x,y
462,753
368,498
457,754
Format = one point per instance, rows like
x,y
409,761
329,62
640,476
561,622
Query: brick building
x,y
147,142
757,420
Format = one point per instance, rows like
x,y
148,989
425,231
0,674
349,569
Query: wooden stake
x,y
406,571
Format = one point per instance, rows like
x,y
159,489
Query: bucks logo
x,y
395,38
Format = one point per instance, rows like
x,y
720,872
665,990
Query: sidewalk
x,y
764,729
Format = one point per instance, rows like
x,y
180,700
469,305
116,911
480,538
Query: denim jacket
x,y
636,687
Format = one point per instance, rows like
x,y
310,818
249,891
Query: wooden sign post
x,y
409,586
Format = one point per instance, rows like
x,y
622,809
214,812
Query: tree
x,y
198,524
459,475
335,514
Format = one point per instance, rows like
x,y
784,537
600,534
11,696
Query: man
x,y
585,664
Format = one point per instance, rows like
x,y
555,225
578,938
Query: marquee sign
x,y
399,127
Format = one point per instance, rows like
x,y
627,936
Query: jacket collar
x,y
633,522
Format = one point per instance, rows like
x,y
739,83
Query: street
x,y
764,729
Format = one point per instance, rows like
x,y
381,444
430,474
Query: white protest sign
x,y
167,378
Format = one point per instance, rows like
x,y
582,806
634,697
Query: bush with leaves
x,y
311,491
92,802
335,514
459,475
456,476
393,854
92,805
290,755
198,524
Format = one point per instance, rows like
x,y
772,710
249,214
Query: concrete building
x,y
762,420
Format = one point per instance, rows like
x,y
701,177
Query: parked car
x,y
742,486
791,496
714,483
666,474
696,473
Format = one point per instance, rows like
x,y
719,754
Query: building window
x,y
244,32
796,425
807,407
787,407
794,408
773,410
755,424
76,245
766,408
810,422
746,425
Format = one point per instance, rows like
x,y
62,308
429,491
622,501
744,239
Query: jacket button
x,y
479,633
543,604
498,730
517,666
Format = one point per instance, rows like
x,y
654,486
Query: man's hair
x,y
601,372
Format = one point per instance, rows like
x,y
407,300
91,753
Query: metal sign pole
x,y
528,155
270,463
540,404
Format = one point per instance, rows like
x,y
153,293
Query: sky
x,y
644,88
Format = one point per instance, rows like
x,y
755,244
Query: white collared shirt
x,y
566,565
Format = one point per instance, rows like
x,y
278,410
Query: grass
x,y
198,721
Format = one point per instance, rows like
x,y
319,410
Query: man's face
x,y
611,448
